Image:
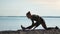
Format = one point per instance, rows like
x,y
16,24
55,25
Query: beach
x,y
12,25
15,22
37,31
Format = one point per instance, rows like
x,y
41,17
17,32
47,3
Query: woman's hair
x,y
28,13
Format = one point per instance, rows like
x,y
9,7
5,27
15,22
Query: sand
x,y
37,31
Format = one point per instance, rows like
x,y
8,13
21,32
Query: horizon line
x,y
41,16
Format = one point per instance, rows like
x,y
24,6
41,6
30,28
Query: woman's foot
x,y
23,28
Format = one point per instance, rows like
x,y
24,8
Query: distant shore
x,y
41,16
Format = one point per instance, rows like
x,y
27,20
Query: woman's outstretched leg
x,y
29,27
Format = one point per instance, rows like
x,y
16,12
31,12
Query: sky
x,y
21,7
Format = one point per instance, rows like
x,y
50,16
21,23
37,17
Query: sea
x,y
15,22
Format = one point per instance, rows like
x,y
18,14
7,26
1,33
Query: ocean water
x,y
15,22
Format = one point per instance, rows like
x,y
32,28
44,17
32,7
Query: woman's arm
x,y
32,21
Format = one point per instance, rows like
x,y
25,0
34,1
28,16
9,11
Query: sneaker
x,y
56,27
23,28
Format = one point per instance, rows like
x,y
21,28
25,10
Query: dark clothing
x,y
38,20
35,24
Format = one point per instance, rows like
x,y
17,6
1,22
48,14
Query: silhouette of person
x,y
39,20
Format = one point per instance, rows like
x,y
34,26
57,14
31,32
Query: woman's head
x,y
28,14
